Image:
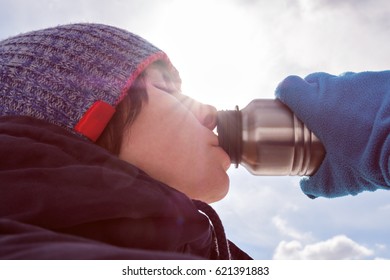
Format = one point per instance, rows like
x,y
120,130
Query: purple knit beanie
x,y
73,75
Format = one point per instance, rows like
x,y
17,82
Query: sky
x,y
229,52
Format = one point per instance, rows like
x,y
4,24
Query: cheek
x,y
141,147
156,144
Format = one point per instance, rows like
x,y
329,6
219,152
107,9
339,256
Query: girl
x,y
102,157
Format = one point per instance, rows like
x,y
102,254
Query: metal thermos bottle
x,y
268,139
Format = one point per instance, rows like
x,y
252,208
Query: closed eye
x,y
165,88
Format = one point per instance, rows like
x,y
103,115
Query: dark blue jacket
x,y
62,197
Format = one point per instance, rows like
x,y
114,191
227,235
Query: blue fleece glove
x,y
350,114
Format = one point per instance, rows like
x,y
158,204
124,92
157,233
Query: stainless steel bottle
x,y
268,139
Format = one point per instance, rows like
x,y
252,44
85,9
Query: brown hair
x,y
125,114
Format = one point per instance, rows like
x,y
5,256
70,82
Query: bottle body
x,y
268,139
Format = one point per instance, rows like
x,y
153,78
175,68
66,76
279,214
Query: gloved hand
x,y
350,114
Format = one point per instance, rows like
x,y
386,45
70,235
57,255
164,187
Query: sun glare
x,y
219,53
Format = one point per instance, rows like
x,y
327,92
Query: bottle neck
x,y
229,129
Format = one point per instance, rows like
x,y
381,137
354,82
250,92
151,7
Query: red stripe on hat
x,y
95,120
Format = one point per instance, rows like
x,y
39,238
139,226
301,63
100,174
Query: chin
x,y
216,190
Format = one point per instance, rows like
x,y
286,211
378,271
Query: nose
x,y
206,114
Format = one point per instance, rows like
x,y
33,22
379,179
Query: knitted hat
x,y
72,75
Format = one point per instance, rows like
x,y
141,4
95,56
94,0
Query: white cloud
x,y
385,207
381,247
285,229
337,248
